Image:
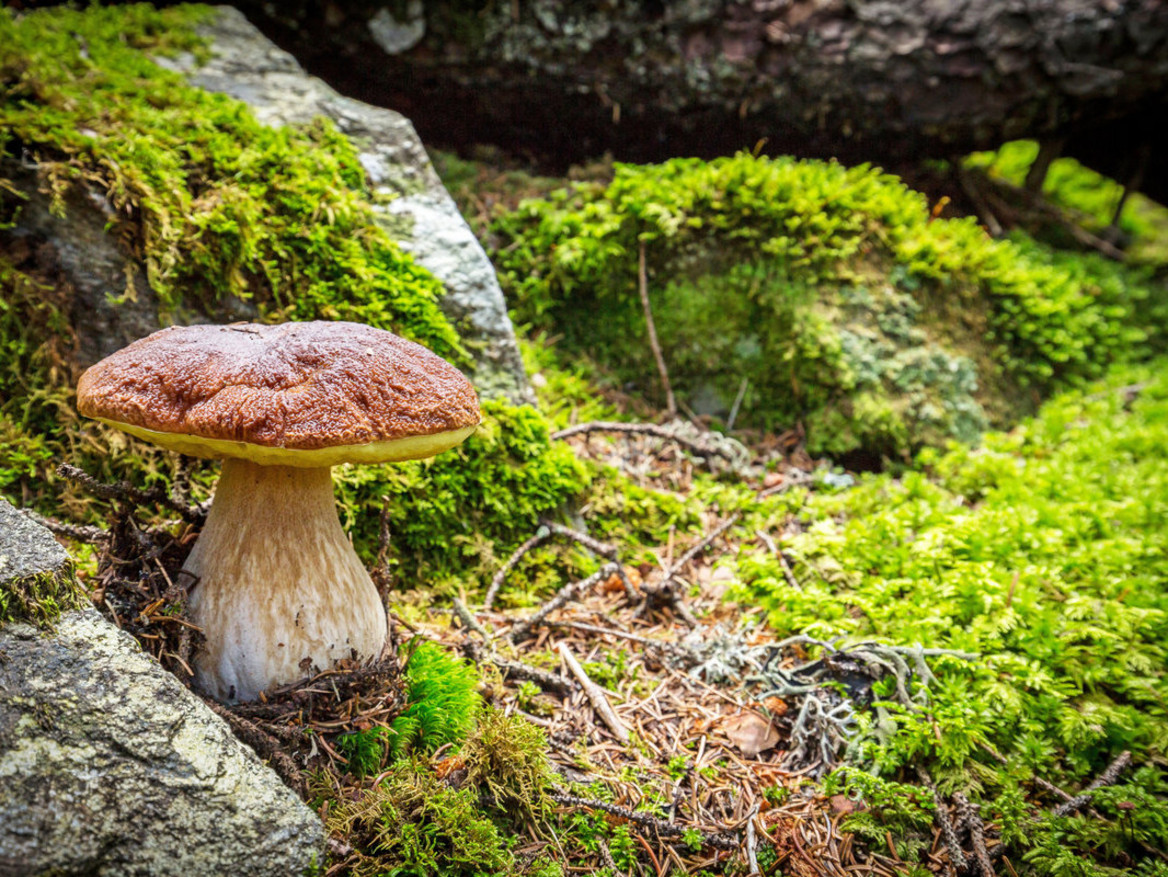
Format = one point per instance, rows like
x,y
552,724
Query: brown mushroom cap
x,y
294,394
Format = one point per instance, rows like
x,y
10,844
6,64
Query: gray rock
x,y
26,548
414,205
108,765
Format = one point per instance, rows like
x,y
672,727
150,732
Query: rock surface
x,y
26,548
414,206
108,765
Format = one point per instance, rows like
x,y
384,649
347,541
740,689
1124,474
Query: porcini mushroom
x,y
279,589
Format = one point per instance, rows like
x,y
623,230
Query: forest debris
x,y
971,819
595,695
540,536
77,532
720,840
704,444
943,821
751,732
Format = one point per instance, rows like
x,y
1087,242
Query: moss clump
x,y
215,206
442,702
412,823
832,290
39,600
506,757
453,515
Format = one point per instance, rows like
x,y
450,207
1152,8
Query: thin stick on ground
x,y
562,597
657,431
643,288
597,547
126,492
1107,778
595,695
541,535
944,822
78,532
722,841
970,818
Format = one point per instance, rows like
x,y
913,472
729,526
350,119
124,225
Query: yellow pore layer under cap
x,y
414,447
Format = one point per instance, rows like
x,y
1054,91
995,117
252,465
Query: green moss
x,y
1089,196
455,514
1044,553
215,205
506,757
442,702
831,290
414,824
39,600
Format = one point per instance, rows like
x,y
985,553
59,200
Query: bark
x,y
881,80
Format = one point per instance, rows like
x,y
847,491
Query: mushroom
x,y
279,589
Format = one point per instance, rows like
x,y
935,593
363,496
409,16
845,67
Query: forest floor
x,y
684,733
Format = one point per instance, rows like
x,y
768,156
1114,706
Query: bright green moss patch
x,y
454,514
826,295
411,822
1086,194
1045,552
216,204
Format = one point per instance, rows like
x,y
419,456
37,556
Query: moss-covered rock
x,y
213,214
36,575
827,295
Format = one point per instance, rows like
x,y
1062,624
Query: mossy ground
x,y
826,296
40,599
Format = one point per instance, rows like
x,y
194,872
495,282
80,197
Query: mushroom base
x,y
280,591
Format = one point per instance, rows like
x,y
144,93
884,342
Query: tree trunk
x,y
889,81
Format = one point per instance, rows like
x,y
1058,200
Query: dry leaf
x,y
751,733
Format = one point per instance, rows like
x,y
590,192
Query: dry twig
x,y
1107,778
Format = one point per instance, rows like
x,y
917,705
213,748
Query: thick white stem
x,y
280,591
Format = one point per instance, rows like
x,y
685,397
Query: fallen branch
x,y
970,818
545,679
541,535
944,822
643,289
596,695
720,840
78,532
561,598
464,615
702,449
1107,778
126,492
597,547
